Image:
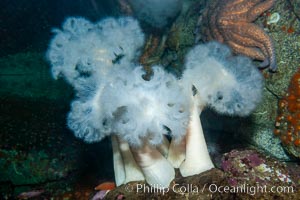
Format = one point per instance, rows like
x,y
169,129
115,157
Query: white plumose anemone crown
x,y
98,60
83,50
228,84
133,108
146,109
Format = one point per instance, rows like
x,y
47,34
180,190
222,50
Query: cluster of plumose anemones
x,y
113,99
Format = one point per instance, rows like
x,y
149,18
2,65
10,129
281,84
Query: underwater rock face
x,y
296,7
31,168
254,167
257,170
27,175
243,172
288,119
181,188
259,131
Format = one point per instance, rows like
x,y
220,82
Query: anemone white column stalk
x,y
157,170
118,163
125,167
146,162
197,157
163,148
176,154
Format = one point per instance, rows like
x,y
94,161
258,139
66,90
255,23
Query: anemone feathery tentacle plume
x,y
87,121
146,108
86,55
228,84
83,50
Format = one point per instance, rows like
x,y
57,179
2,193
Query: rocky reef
x,y
245,174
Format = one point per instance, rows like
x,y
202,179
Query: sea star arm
x,y
211,16
236,9
233,3
249,42
258,9
258,34
230,22
214,29
248,51
248,46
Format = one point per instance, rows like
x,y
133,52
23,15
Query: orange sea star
x,y
230,22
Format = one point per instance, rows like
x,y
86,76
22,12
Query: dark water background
x,y
26,24
33,107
